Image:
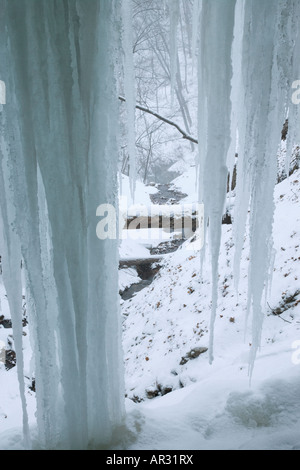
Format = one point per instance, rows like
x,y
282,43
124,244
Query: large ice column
x,y
59,128
215,73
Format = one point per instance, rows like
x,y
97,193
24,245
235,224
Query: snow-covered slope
x,y
186,183
141,196
214,406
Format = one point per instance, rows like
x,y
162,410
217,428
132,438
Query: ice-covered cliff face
x,y
58,163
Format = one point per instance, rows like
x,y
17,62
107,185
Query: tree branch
x,y
167,121
277,314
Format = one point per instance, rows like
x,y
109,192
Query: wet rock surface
x,y
9,354
5,322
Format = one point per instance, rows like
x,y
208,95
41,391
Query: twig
x,y
277,314
296,195
161,118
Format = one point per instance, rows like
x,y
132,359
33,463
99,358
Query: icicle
x,y
129,89
11,269
238,117
236,91
264,46
197,6
266,53
293,35
174,11
60,71
215,72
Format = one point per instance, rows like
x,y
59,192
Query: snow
x,y
142,194
217,408
211,416
187,184
127,277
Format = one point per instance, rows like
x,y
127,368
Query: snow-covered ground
x,y
186,183
214,406
197,405
141,196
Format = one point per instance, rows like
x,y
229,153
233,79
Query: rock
x,y
167,194
227,220
32,387
5,323
159,390
167,247
285,130
10,359
152,393
192,354
166,390
136,399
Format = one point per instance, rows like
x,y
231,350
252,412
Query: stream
x,y
147,271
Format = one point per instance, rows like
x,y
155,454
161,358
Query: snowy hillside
x,y
142,193
167,325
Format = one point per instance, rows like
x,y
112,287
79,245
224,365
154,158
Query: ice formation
x,y
215,73
248,59
58,164
174,12
129,89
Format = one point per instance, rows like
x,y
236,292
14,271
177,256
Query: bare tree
x,y
153,83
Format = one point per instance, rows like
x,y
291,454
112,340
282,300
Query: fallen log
x,y
129,262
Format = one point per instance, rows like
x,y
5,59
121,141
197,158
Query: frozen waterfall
x,y
58,163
